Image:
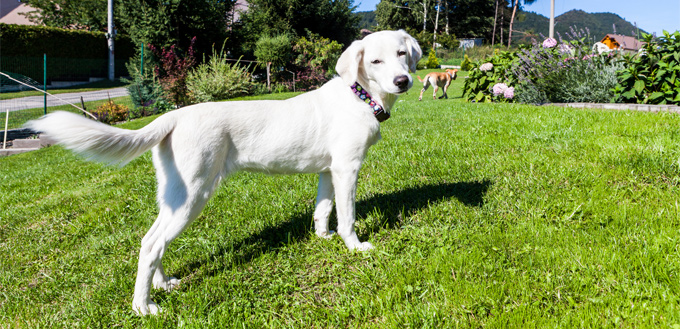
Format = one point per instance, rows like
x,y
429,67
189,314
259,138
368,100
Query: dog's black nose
x,y
401,82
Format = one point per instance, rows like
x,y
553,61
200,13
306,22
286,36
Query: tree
x,y
331,19
73,14
167,22
398,14
159,22
274,51
465,18
515,5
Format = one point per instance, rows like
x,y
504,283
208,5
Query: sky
x,y
651,15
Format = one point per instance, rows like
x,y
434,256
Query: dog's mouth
x,y
401,91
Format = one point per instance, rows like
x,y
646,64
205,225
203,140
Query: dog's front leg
x,y
324,205
345,184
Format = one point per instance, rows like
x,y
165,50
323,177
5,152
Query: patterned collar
x,y
378,111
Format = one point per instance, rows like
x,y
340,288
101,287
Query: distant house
x,y
11,10
621,42
469,43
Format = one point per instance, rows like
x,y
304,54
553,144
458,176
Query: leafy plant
x,y
110,112
564,73
219,80
432,61
653,75
482,77
315,58
173,70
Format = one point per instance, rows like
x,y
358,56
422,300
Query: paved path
x,y
31,102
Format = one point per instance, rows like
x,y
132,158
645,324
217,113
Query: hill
x,y
368,20
598,24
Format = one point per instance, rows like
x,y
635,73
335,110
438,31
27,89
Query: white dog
x,y
326,131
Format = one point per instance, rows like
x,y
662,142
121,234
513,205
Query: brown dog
x,y
438,79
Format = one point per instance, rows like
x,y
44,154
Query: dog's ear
x,y
348,63
414,51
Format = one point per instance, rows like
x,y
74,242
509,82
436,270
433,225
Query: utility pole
x,y
436,21
424,15
109,37
551,31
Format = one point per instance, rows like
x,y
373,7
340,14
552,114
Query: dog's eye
x,y
401,53
376,61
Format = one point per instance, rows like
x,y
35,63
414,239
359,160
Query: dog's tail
x,y
419,78
101,142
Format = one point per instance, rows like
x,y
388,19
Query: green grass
x,y
483,215
97,85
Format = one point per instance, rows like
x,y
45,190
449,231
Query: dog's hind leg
x,y
183,190
324,205
425,85
446,88
434,94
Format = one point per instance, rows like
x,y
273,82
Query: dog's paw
x,y
143,309
167,285
326,234
364,246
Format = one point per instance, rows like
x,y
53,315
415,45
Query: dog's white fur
x,y
326,131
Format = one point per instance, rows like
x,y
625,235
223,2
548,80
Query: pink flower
x,y
509,93
499,89
549,43
486,67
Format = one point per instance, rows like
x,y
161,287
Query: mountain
x,y
368,20
598,24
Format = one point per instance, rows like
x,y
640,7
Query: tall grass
x,y
483,215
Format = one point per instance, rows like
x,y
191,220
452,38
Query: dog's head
x,y
384,58
453,73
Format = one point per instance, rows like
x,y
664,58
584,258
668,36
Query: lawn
x,y
483,215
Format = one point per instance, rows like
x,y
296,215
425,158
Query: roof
x,y
625,42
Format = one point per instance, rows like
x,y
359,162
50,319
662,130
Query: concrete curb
x,y
621,107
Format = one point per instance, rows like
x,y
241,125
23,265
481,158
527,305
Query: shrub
x,y
173,72
218,80
547,72
482,77
564,73
144,88
466,64
315,59
432,61
110,112
653,75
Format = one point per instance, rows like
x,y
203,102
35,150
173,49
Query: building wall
x,y
10,11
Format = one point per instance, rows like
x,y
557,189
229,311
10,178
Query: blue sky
x,y
651,16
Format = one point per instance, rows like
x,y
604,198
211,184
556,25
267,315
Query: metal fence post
x,y
142,66
45,84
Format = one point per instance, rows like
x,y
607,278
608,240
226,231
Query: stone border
x,y
620,107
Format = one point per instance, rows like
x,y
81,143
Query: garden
x,y
482,214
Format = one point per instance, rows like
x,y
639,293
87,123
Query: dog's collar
x,y
378,111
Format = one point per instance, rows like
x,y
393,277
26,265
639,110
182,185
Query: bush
x,y
564,73
173,72
111,112
219,80
432,61
653,75
315,59
146,94
482,77
34,41
551,72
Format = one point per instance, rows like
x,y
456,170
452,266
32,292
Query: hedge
x,y
34,41
71,54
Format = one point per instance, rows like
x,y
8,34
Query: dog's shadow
x,y
391,206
